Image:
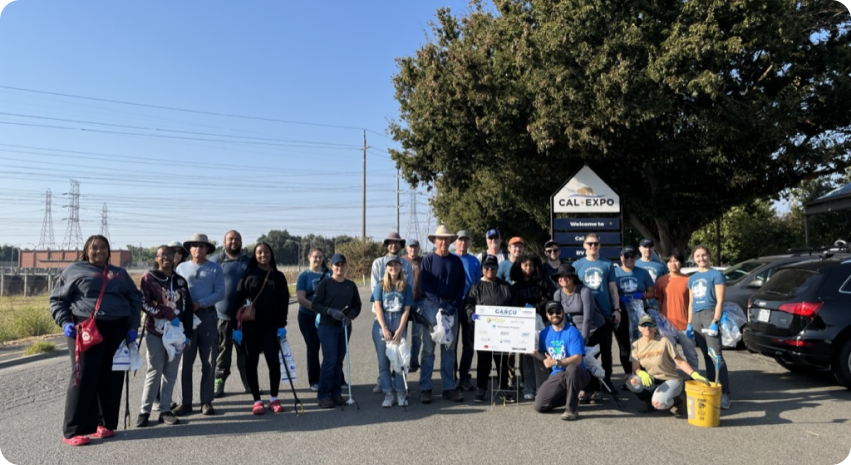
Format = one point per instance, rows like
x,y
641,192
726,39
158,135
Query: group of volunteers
x,y
206,301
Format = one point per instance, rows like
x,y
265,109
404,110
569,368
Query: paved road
x,y
777,417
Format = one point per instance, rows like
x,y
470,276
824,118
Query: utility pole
x,y
363,211
397,200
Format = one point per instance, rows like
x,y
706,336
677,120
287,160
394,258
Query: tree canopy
x,y
686,108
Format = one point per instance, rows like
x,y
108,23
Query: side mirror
x,y
756,283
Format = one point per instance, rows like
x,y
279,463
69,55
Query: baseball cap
x,y
515,240
337,258
463,234
627,249
493,233
490,261
646,243
646,320
413,243
550,243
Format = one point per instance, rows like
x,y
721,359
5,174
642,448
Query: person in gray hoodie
x,y
92,285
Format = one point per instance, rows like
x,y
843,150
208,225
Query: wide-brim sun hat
x,y
394,237
443,232
199,239
566,270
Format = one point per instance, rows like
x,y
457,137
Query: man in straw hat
x,y
442,279
206,286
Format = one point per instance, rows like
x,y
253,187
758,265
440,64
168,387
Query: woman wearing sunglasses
x,y
633,284
654,366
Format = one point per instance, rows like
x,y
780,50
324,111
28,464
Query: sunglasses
x,y
629,256
490,267
551,250
648,325
592,244
554,311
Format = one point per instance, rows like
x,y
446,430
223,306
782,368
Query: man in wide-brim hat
x,y
442,279
199,240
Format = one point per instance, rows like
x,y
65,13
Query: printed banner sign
x,y
505,329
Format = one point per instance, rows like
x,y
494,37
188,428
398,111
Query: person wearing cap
x,y
515,250
206,286
489,290
654,377
494,241
598,274
552,258
234,263
394,245
337,303
413,257
473,272
392,299
442,279
561,349
531,289
578,304
647,261
634,285
672,295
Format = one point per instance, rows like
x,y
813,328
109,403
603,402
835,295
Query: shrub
x,y
40,348
359,257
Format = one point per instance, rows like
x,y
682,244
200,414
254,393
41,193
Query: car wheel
x,y
795,368
842,365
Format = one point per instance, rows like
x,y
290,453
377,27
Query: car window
x,y
740,270
846,286
790,282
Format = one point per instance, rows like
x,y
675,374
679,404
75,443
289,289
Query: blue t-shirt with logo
x,y
653,267
702,286
596,276
637,280
561,344
307,282
393,301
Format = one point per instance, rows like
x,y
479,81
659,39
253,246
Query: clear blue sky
x,y
166,174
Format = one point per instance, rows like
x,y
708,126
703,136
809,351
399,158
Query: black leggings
x,y
602,336
624,344
485,363
256,340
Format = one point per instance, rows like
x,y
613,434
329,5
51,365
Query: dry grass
x,y
22,317
40,347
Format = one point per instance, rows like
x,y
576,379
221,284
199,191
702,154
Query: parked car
x,y
802,318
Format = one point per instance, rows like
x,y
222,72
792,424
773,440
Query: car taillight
x,y
793,342
805,309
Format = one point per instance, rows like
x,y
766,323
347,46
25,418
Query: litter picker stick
x,y
350,401
296,402
716,359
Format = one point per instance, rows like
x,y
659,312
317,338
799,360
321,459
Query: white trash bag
x,y
126,358
591,362
399,355
442,333
172,336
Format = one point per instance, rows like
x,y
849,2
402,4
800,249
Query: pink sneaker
x,y
276,407
102,433
258,408
77,440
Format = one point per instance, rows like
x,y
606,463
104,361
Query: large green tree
x,y
686,108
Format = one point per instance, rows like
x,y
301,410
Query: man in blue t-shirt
x,y
598,274
647,261
561,348
473,272
515,250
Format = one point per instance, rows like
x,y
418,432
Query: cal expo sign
x,y
586,193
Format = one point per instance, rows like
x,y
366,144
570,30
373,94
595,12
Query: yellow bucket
x,y
704,404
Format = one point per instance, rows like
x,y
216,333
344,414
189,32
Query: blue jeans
x,y
447,354
307,326
333,343
392,320
416,335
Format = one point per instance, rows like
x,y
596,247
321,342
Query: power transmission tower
x,y
73,236
104,226
46,239
413,231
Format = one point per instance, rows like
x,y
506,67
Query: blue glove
x,y
282,333
69,331
475,317
175,322
186,342
712,331
131,336
237,336
690,331
625,299
638,296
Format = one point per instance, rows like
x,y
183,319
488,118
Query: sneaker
x,y
339,401
169,419
414,368
528,396
207,409
402,398
182,410
142,420
583,398
276,406
596,397
467,385
314,387
456,395
508,398
377,389
725,401
425,396
219,389
77,441
388,400
102,433
676,408
569,416
327,403
480,396
257,408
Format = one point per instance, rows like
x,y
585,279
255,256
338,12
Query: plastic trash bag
x,y
121,359
664,327
735,313
195,321
399,355
290,360
442,332
635,309
730,333
173,337
591,362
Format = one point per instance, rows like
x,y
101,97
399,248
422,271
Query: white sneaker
x,y
314,387
388,400
377,389
725,401
402,399
529,396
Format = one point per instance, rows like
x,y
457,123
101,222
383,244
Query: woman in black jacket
x,y
267,288
531,289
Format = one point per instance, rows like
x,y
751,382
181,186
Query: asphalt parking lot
x,y
777,417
